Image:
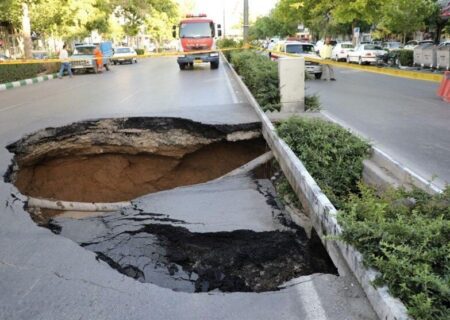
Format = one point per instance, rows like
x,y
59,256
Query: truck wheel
x,y
318,75
106,67
215,65
182,66
115,62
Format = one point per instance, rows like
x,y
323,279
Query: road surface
x,y
403,117
47,276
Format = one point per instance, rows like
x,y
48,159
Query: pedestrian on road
x,y
98,58
65,63
325,53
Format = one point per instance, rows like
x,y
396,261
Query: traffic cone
x,y
444,88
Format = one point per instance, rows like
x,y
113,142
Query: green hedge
x,y
260,75
140,52
332,155
405,236
16,72
406,57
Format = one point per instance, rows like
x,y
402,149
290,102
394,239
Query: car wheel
x,y
106,65
336,58
135,60
215,65
114,62
318,75
182,66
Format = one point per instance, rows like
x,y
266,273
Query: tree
x,y
404,16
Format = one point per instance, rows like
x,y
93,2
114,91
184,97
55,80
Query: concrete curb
x,y
22,83
323,216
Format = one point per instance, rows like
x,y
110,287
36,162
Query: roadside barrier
x,y
444,88
413,75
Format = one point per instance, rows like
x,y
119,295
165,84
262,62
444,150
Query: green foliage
x,y
333,156
266,27
16,72
260,74
312,102
406,57
140,52
227,43
404,16
405,236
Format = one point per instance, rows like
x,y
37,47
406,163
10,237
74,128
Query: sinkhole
x,y
128,159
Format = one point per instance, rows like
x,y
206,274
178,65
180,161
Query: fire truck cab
x,y
197,36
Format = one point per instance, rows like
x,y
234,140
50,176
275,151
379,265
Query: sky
x,y
233,10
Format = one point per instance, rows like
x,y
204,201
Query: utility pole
x,y
246,23
224,26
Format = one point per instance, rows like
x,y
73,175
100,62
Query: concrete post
x,y
292,84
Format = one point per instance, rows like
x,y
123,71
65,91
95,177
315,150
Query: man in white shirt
x,y
65,63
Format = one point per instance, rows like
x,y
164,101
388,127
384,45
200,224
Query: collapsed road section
x,y
190,226
122,159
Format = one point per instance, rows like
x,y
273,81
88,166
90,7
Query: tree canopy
x,y
332,17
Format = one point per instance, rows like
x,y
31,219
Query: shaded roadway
x,y
402,117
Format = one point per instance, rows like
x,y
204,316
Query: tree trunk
x,y
26,31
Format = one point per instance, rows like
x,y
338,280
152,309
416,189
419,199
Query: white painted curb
x,y
323,216
22,83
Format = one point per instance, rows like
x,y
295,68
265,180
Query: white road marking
x,y
311,302
230,86
129,96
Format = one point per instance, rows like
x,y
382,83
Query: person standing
x,y
98,58
325,53
65,63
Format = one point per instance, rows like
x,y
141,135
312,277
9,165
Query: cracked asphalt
x,y
48,276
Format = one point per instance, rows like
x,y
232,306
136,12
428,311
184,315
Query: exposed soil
x,y
121,177
238,261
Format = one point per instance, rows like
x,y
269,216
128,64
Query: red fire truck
x,y
197,34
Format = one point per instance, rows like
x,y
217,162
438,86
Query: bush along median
x,y
17,72
405,235
260,75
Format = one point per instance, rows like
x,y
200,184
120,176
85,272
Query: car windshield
x,y
84,50
346,46
394,44
197,30
372,47
299,48
123,50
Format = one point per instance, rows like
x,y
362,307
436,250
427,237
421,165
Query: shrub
x,y
140,52
312,102
406,57
16,72
226,43
405,236
261,77
332,155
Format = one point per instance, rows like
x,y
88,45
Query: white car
x,y
303,49
365,53
341,50
411,45
124,54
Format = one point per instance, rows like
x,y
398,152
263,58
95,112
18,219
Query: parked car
x,y
365,53
84,59
340,51
319,44
392,45
38,54
124,54
303,49
3,57
411,45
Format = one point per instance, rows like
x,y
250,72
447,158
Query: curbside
x,y
323,215
21,83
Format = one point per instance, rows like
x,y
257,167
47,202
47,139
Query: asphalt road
x,y
46,276
402,117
